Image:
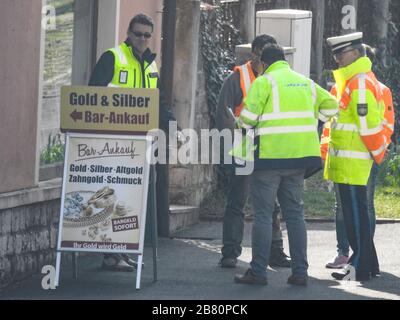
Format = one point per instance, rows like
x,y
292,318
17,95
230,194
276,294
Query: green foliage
x,y
217,60
389,73
318,197
54,151
218,38
387,204
389,171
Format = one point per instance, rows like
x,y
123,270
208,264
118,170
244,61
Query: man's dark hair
x,y
261,41
272,53
142,19
370,52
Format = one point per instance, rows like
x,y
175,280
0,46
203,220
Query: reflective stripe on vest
x,y
249,115
247,77
344,126
153,67
313,92
275,93
121,56
287,115
362,99
287,129
353,127
350,154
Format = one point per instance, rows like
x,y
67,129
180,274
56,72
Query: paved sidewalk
x,y
187,269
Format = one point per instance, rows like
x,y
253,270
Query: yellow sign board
x,y
111,110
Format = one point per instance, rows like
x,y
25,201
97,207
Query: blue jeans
x,y
233,222
341,235
265,186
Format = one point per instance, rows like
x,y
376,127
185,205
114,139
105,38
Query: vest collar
x,y
281,64
147,56
342,75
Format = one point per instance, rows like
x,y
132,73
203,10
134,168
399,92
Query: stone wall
x,y
28,234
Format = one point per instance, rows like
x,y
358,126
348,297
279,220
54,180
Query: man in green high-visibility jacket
x,y
283,107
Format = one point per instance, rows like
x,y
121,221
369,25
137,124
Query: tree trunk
x,y
282,4
380,20
247,20
318,9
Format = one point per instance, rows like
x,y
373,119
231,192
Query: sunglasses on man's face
x,y
137,34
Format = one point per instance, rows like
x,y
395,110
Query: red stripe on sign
x,y
99,245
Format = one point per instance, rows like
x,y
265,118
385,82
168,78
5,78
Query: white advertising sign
x,y
104,194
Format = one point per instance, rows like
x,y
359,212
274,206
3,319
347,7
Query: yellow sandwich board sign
x,y
109,110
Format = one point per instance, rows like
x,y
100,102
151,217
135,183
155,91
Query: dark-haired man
x,y
230,104
132,65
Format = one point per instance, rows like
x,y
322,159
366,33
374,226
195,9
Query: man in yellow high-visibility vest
x,y
230,104
132,65
283,107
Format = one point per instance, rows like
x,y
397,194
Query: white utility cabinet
x,y
291,28
243,54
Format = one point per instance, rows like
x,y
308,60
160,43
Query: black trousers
x,y
358,228
233,221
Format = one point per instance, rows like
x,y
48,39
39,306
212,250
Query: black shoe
x,y
298,280
375,274
228,263
339,275
280,260
250,278
359,276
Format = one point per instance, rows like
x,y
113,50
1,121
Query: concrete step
x,y
182,216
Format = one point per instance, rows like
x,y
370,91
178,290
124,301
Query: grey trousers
x,y
287,185
233,222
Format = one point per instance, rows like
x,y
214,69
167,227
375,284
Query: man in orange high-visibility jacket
x,y
230,104
357,140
